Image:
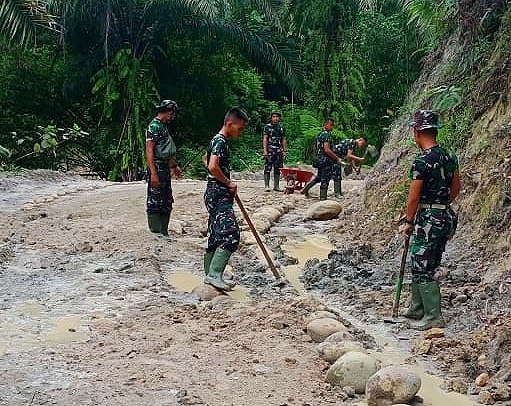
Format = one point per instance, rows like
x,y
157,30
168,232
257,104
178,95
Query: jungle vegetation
x,y
79,79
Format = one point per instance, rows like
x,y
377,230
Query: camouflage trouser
x,y
336,171
275,160
324,175
159,200
432,229
223,228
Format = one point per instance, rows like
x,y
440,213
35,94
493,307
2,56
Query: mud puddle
x,y
391,351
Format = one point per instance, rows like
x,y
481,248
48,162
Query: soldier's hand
x,y
265,154
233,188
177,171
155,181
406,229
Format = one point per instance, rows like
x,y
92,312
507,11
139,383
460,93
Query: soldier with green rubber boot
x,y
435,183
345,149
274,151
160,152
322,161
223,228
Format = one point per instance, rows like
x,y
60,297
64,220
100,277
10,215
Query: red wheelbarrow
x,y
295,178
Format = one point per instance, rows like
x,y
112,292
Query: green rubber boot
x,y
276,181
164,224
208,256
415,309
322,194
430,296
216,270
267,182
337,188
153,221
305,190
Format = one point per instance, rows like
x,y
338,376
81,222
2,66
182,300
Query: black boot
x,y
267,182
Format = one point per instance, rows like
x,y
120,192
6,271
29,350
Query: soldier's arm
x,y
412,204
149,151
284,145
330,153
216,171
265,145
455,186
352,157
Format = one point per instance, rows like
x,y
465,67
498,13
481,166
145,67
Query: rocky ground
x,y
90,315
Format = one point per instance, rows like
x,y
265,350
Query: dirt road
x,y
89,314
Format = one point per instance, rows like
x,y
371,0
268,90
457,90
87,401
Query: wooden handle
x,y
258,239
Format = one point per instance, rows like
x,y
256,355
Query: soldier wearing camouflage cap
x,y
274,150
161,163
435,183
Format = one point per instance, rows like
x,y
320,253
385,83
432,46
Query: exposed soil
x,y
88,316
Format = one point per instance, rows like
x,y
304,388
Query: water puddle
x,y
186,281
30,327
303,250
430,389
433,395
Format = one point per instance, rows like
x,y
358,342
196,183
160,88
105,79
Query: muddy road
x,y
95,310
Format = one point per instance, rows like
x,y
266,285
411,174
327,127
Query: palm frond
x,y
20,18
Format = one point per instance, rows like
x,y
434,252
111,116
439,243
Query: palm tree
x,y
19,20
124,40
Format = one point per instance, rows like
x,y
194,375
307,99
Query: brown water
x,y
185,281
308,248
433,395
29,326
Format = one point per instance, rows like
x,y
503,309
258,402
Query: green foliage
x,y
19,20
433,19
456,129
126,88
445,97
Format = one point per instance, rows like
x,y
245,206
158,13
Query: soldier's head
x,y
166,111
361,142
275,117
234,122
425,127
328,124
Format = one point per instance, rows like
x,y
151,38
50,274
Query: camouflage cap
x,y
424,119
166,105
276,113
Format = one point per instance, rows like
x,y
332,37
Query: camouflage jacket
x,y
220,147
275,134
159,133
341,149
435,167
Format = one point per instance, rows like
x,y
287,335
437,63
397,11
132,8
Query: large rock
x,y
323,210
331,351
353,369
270,214
319,329
340,337
391,385
206,292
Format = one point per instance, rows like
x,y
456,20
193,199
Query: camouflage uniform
x,y
275,159
323,163
160,199
341,150
433,226
223,228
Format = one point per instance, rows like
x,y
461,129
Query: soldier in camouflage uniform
x,y
345,149
223,229
435,184
323,159
274,150
160,151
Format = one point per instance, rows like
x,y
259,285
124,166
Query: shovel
x,y
279,280
399,285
